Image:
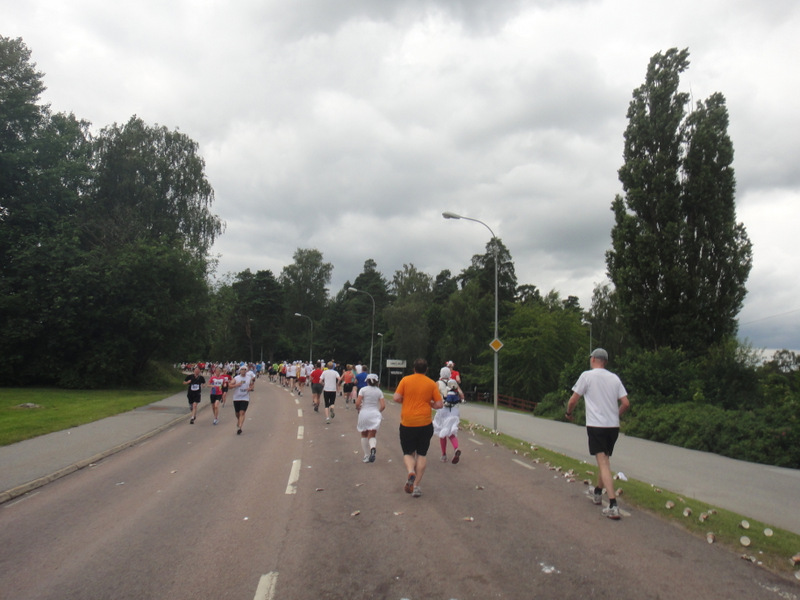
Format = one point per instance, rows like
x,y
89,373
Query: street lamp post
x,y
496,345
310,337
380,361
372,331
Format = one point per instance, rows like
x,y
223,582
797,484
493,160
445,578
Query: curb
x,y
20,490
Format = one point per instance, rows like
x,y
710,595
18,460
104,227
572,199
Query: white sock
x,y
365,446
373,442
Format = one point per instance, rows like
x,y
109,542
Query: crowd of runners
x,y
428,407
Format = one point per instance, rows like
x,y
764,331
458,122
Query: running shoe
x,y
444,458
417,492
333,414
366,459
409,487
191,421
595,497
612,512
457,457
238,432
372,455
216,421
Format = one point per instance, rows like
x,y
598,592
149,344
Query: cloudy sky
x,y
350,125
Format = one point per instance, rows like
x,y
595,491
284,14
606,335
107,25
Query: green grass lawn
x,y
61,409
774,552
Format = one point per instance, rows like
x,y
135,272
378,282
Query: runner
x,y
243,384
316,386
348,379
448,418
370,403
217,381
301,378
195,381
330,381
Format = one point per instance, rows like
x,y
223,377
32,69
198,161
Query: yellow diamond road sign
x,y
496,344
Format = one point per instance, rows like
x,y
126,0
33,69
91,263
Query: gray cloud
x,y
350,126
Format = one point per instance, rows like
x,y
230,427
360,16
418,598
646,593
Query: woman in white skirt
x,y
448,418
370,404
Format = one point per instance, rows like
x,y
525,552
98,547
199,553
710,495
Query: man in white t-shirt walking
x,y
606,400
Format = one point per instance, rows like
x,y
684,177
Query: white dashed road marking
x,y
523,464
266,587
294,476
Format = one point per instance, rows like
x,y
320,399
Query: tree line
x,y
106,270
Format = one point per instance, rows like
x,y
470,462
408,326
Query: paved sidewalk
x,y
769,494
761,492
30,464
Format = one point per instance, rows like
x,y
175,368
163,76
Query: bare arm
x,y
573,402
624,405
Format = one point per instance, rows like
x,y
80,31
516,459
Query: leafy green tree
x,y
223,338
257,314
679,261
21,116
410,281
444,285
305,288
369,281
150,183
305,282
468,329
539,339
482,269
608,330
104,240
407,315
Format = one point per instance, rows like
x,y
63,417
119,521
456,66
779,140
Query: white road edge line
x,y
524,464
300,431
475,441
266,587
300,412
294,477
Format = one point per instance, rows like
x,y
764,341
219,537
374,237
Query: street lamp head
x,y
450,215
352,289
297,315
380,335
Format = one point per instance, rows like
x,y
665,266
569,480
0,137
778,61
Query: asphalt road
x,y
288,511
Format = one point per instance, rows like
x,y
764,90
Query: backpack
x,y
452,398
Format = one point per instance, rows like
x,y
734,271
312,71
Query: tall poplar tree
x,y
679,260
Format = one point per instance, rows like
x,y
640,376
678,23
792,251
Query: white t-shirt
x,y
370,398
243,391
601,391
329,380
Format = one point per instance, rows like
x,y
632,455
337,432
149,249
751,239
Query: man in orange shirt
x,y
418,394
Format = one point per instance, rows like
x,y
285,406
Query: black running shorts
x,y
602,439
416,439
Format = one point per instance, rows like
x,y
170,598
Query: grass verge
x,y
55,409
774,552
